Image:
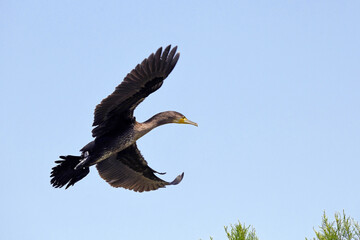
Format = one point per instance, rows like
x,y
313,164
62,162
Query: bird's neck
x,y
153,122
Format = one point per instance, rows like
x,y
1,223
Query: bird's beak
x,y
187,121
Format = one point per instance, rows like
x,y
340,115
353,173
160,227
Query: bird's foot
x,y
82,163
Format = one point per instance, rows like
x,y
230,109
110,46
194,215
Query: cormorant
x,y
114,150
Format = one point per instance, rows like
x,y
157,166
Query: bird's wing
x,y
117,109
128,169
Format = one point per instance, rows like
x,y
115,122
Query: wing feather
x,y
157,59
144,79
128,169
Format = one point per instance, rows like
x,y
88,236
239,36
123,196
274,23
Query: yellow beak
x,y
187,121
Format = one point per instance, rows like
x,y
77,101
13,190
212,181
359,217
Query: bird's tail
x,y
64,172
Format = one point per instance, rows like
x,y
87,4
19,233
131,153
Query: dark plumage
x,y
114,150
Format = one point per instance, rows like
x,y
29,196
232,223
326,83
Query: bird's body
x,y
106,146
116,131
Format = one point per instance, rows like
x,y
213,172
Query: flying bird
x,y
114,151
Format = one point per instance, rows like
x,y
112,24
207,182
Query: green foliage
x,y
241,232
343,228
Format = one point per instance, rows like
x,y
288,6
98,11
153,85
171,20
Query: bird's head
x,y
180,118
171,117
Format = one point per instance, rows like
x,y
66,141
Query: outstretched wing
x,y
117,109
128,169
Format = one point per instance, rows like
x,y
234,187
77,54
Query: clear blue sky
x,y
273,85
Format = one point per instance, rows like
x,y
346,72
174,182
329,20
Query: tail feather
x,y
64,173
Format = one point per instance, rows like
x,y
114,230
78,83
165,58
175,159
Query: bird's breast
x,y
106,146
123,141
